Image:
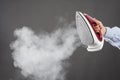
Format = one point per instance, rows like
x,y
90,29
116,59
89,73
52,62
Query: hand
x,y
99,27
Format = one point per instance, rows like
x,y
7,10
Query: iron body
x,y
85,28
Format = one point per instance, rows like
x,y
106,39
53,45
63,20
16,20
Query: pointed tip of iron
x,y
77,12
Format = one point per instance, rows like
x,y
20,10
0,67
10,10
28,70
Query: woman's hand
x,y
99,27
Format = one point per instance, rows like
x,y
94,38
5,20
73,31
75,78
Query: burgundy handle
x,y
93,24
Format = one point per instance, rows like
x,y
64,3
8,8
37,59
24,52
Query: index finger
x,y
97,21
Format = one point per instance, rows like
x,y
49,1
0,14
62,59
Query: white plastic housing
x,y
97,44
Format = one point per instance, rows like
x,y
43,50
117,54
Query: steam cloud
x,y
43,56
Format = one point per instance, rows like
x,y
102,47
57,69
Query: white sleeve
x,y
113,36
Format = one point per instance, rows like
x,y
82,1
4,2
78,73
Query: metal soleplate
x,y
83,29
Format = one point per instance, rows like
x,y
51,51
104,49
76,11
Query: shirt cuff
x,y
108,33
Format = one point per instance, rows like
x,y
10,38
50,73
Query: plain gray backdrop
x,y
43,15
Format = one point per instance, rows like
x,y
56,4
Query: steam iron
x,y
94,41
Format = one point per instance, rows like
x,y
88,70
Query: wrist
x,y
105,30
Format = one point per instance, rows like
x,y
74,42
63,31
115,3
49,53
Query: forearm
x,y
113,36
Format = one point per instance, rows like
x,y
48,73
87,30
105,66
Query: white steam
x,y
42,56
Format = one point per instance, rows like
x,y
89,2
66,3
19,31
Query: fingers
x,y
98,22
97,28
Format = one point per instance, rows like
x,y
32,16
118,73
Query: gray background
x,y
43,15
